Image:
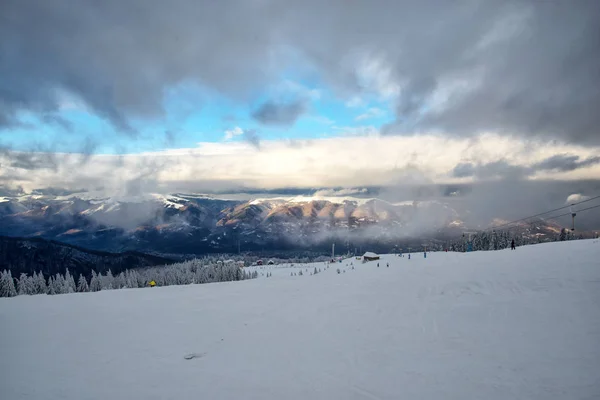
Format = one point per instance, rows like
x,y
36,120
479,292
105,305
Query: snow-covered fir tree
x,y
51,286
107,281
120,281
26,285
40,283
69,283
82,285
185,273
7,285
59,284
95,284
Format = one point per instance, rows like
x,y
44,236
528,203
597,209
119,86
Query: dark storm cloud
x,y
119,57
503,169
279,113
463,170
29,160
564,162
251,136
528,68
495,169
88,147
53,119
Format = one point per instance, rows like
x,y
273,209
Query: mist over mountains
x,y
293,220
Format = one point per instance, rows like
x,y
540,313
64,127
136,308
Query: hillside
x,y
483,325
196,224
192,224
33,255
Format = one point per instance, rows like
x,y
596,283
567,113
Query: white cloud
x,y
371,113
376,75
231,133
290,89
321,119
356,102
367,130
342,161
340,192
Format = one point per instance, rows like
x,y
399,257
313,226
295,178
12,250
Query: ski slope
x,y
521,324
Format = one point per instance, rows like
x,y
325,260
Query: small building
x,y
271,262
259,262
369,256
241,264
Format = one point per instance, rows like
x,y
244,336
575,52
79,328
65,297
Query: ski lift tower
x,y
573,214
332,251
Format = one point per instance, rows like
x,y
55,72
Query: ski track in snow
x,y
519,324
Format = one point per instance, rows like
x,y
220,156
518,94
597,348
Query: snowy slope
x,y
488,325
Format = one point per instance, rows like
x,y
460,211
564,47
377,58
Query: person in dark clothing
x,y
512,245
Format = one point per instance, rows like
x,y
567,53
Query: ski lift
x,y
573,214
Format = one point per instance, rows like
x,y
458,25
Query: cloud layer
x,y
346,162
523,68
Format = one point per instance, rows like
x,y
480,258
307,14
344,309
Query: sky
x,y
203,96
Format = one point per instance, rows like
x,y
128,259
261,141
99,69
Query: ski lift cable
x,y
569,213
548,212
554,216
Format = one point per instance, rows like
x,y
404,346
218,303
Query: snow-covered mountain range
x,y
193,224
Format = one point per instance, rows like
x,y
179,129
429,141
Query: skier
x,y
388,265
512,245
377,265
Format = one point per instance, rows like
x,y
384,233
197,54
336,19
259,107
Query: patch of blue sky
x,y
193,115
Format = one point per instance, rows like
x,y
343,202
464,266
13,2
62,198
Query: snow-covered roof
x,y
369,254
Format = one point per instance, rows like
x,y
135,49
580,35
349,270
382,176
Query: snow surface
x,y
521,324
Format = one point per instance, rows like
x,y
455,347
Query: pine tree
x,y
21,284
7,285
82,285
95,285
40,283
25,285
107,281
59,284
133,279
69,283
51,286
120,282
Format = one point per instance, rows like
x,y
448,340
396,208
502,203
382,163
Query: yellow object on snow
x,y
152,283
